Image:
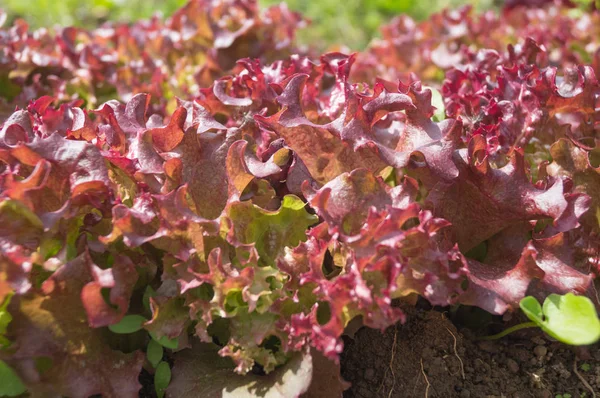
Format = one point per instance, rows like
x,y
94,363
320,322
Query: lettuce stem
x,y
510,330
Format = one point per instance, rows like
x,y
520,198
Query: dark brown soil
x,y
421,359
147,382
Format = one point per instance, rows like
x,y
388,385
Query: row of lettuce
x,y
208,177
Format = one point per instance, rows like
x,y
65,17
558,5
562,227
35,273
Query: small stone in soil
x,y
540,351
512,365
538,340
465,394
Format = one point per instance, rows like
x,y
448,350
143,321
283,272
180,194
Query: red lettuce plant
x,y
175,58
273,206
453,38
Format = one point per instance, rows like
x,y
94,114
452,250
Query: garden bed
x,y
203,208
526,364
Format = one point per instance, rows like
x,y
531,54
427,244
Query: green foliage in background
x,y
355,22
88,13
352,22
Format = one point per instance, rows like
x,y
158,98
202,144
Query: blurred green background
x,y
352,22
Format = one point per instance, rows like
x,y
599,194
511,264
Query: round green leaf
x,y
10,384
571,319
162,378
532,308
154,353
165,341
129,324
